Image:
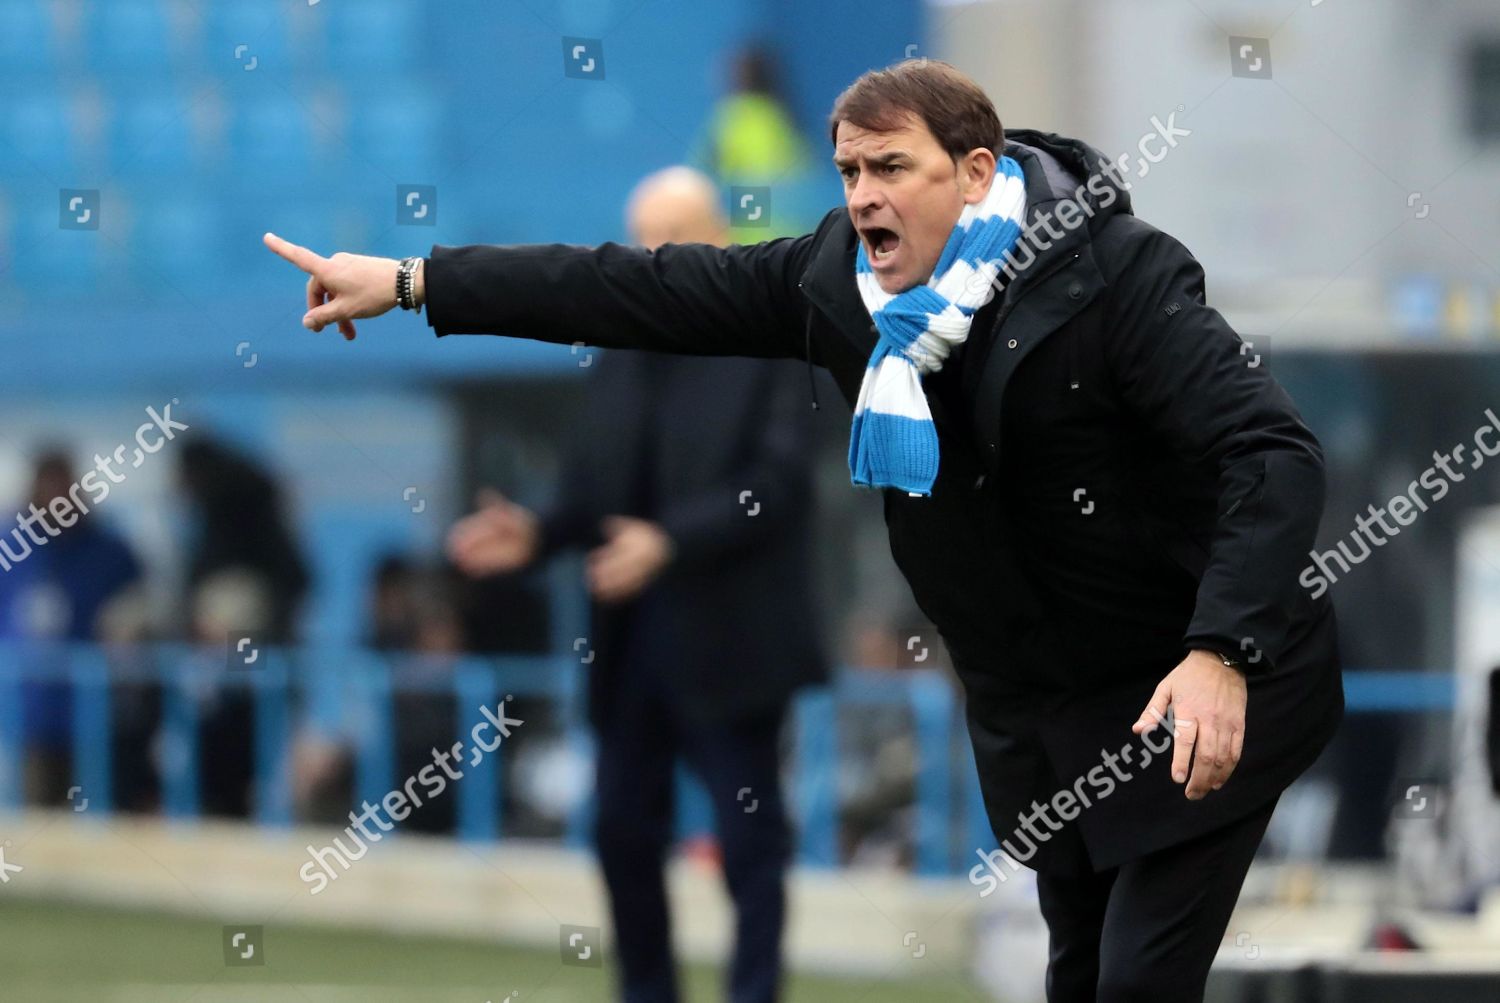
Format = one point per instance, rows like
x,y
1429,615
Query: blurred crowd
x,y
245,573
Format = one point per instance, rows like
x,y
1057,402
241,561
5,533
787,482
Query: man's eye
x,y
848,173
892,168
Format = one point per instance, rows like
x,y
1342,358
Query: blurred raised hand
x,y
634,552
499,536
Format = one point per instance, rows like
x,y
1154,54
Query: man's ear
x,y
975,172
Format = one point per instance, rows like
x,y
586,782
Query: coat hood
x,y
1058,168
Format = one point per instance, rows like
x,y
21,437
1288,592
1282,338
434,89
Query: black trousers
x,y
642,736
1148,929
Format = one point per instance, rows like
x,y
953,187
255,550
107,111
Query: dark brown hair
x,y
957,112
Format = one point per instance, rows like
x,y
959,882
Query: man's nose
x,y
865,194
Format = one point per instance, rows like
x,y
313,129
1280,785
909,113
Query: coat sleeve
x,y
712,522
689,299
1182,370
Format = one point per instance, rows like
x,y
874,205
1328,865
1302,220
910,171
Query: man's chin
x,y
893,283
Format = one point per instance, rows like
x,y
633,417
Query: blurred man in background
x,y
59,591
240,525
751,146
691,491
246,575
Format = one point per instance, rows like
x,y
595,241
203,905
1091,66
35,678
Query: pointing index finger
x,y
297,255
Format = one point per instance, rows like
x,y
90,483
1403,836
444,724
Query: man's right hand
x,y
500,536
344,287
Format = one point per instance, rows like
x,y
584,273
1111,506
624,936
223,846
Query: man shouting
x,y
1097,495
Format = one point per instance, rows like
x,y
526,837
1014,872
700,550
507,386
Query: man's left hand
x,y
636,551
1207,699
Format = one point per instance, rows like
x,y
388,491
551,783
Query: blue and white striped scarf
x,y
893,442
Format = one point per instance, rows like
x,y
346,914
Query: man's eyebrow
x,y
877,159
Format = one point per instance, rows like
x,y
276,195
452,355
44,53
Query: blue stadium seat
x,y
398,129
47,258
27,42
128,36
37,130
256,24
180,239
375,36
150,133
271,133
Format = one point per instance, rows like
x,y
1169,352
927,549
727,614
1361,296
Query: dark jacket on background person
x,y
1117,483
239,524
715,451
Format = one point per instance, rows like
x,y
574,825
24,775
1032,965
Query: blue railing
x,y
350,692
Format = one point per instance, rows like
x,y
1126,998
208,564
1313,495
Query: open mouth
x,y
881,244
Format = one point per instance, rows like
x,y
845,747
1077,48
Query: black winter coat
x,y
1118,484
